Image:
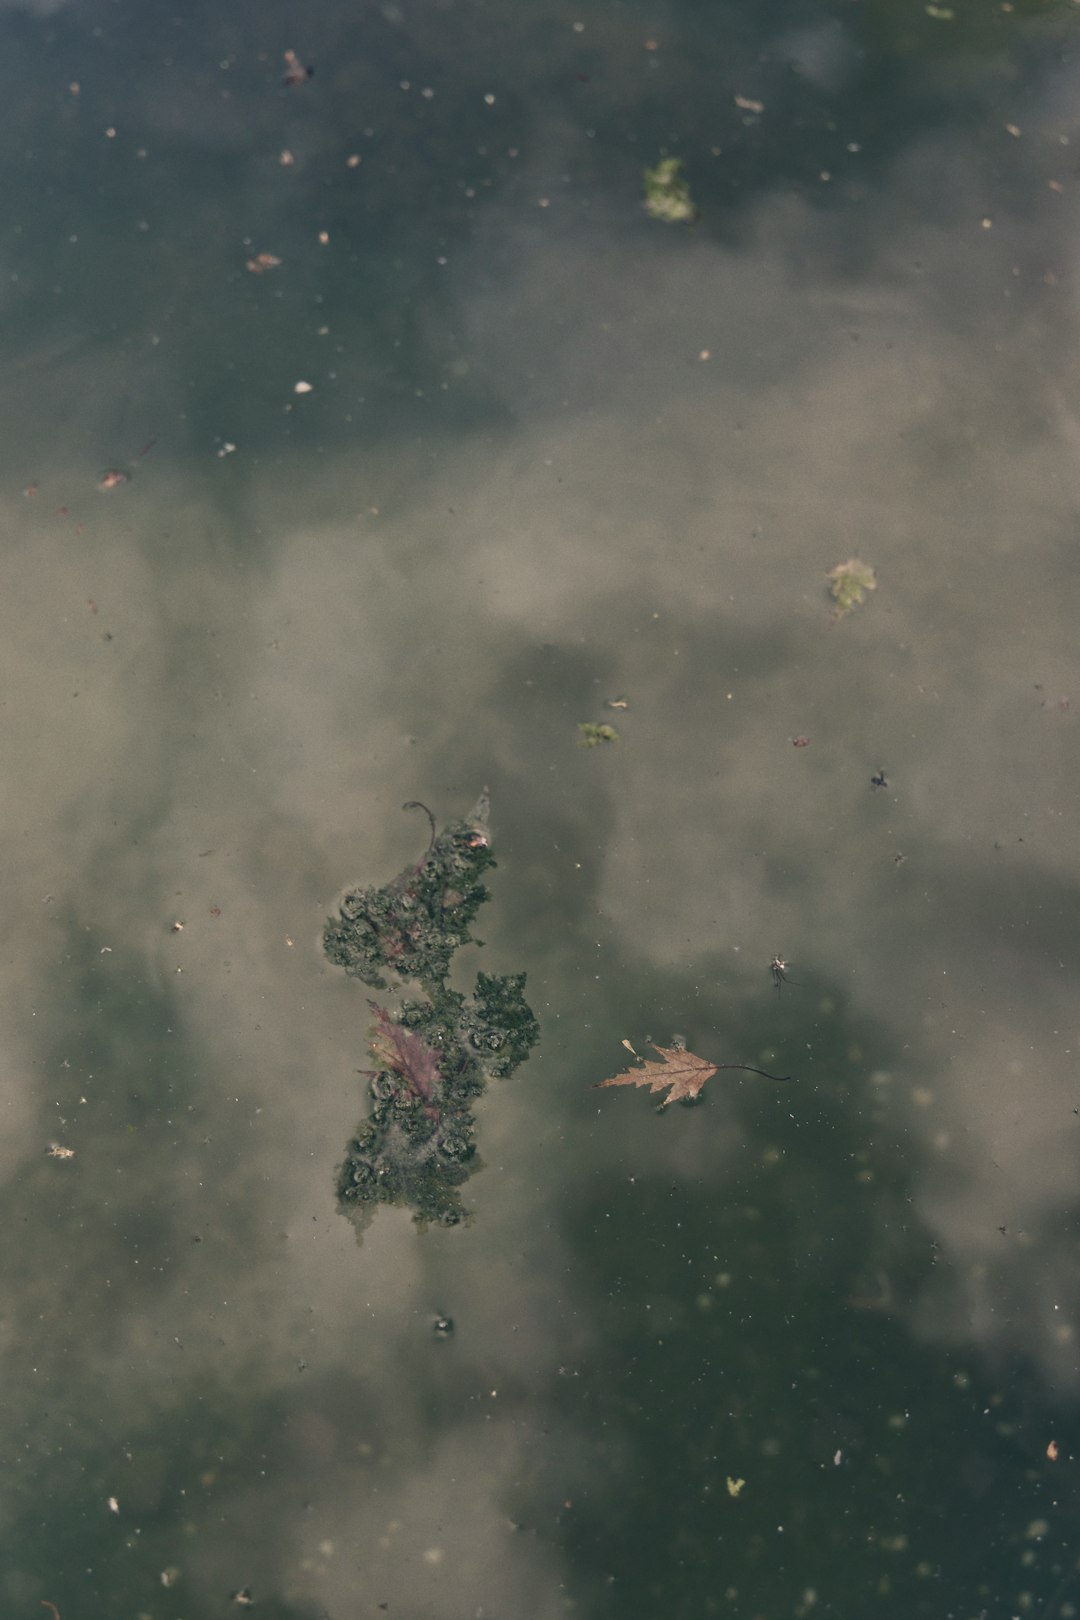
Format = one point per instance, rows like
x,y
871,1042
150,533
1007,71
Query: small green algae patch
x,y
850,582
592,735
667,193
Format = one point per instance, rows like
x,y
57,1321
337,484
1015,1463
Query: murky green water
x,y
797,1349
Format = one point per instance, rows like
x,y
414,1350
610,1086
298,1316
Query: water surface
x,y
552,452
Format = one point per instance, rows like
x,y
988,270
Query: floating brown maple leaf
x,y
679,1069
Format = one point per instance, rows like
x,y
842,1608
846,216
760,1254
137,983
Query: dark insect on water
x,y
778,969
879,781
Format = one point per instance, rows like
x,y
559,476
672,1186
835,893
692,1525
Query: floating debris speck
x,y
295,71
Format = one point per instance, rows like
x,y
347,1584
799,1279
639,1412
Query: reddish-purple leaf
x,y
405,1054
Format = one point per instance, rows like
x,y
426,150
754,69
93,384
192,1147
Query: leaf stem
x,y
749,1069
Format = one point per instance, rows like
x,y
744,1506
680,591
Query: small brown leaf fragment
x,y
295,71
112,480
261,262
800,742
1052,1451
55,1151
749,106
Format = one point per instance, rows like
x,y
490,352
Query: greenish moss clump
x,y
592,735
850,582
667,193
435,1056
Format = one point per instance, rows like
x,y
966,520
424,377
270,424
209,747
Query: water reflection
x,y
551,451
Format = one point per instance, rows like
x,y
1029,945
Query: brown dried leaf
x,y
405,1054
679,1069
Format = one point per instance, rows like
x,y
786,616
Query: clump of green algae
x,y
850,582
667,193
435,1055
592,735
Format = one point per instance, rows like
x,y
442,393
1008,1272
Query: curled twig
x,y
415,804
